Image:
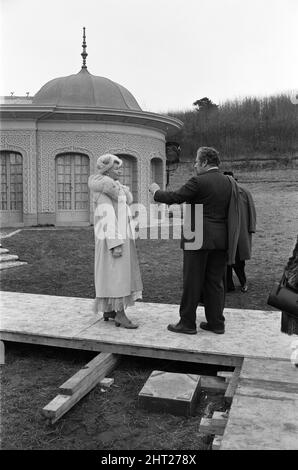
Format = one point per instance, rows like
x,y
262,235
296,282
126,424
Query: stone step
x,y
3,250
4,258
11,264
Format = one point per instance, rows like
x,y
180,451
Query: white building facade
x,y
50,144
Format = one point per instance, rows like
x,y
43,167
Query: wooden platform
x,y
70,322
264,386
264,411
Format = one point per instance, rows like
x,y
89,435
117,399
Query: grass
x,y
100,421
60,262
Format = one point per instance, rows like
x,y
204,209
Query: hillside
x,y
248,130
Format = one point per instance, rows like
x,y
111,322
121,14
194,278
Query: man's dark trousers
x,y
203,275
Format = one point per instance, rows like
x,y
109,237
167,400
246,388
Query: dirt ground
x,y
60,262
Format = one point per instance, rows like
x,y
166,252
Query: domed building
x,y
50,144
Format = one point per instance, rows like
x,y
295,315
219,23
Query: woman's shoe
x,y
122,320
109,315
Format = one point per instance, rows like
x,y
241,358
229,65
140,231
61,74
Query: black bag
x,y
284,298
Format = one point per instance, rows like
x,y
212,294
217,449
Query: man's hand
x,y
153,188
117,251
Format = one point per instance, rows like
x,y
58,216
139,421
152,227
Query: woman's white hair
x,y
105,162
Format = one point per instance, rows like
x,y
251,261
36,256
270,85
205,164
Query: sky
x,y
167,53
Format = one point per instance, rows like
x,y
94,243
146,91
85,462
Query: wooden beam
x,y
233,383
270,385
220,414
216,443
139,351
227,375
79,385
209,382
63,403
261,424
94,371
269,370
213,426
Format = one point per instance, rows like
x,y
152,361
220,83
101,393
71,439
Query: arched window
x,y
11,168
72,194
156,165
129,176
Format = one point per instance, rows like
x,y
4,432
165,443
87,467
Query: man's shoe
x,y
205,326
244,288
179,328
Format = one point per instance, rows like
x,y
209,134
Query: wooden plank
x,y
270,385
94,371
261,424
220,414
57,342
98,346
232,385
72,319
63,403
262,391
213,383
213,426
99,360
216,443
227,375
268,379
79,385
275,371
240,339
45,315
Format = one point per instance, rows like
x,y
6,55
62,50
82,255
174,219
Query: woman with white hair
x,y
117,274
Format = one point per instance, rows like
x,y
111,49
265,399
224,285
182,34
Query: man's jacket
x,y
214,191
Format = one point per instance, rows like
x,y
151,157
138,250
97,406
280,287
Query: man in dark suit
x,y
204,268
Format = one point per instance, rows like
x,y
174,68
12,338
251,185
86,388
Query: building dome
x,y
85,90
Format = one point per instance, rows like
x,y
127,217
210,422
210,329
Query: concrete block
x,y
170,392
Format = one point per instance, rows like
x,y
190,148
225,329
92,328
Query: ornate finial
x,y
84,53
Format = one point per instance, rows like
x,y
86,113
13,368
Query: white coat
x,y
117,280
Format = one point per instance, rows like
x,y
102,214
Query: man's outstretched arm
x,y
185,194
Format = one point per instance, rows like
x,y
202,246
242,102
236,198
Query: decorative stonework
x,y
93,144
40,148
